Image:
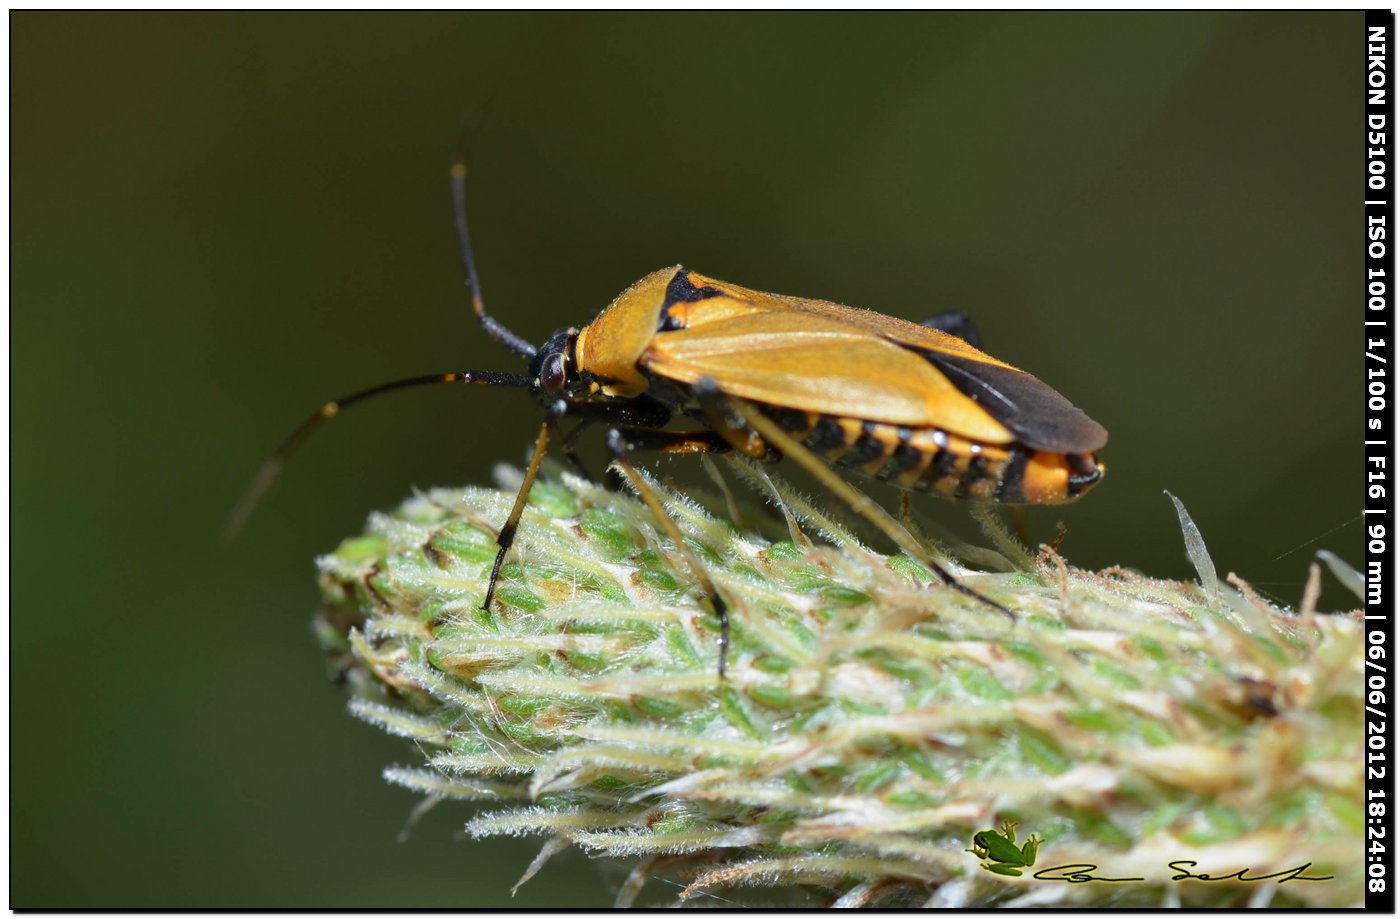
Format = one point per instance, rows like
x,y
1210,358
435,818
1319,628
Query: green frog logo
x,y
998,849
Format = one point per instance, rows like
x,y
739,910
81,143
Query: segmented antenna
x,y
459,212
270,468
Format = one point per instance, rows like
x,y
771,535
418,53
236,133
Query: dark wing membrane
x,y
1041,418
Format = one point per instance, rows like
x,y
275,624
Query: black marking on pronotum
x,y
1041,418
682,290
1009,489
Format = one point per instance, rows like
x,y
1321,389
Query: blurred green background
x,y
218,221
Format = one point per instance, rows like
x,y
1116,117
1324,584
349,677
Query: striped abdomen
x,y
933,460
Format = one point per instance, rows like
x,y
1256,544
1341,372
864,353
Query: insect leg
x,y
706,390
906,512
716,412
566,446
506,538
265,476
591,411
957,323
622,442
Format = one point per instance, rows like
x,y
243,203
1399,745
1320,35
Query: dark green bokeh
x,y
221,220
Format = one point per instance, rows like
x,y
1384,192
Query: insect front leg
x,y
566,446
590,412
621,442
506,537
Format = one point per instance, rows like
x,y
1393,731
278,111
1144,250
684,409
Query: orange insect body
x,y
903,402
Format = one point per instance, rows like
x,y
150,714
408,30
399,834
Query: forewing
x,y
899,331
816,364
1033,412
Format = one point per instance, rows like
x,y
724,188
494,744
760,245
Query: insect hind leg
x,y
717,403
719,414
621,442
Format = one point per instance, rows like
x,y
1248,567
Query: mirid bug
x,y
768,375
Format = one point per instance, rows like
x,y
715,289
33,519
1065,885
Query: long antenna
x,y
238,517
459,212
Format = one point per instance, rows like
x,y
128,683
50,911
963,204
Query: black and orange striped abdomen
x,y
934,460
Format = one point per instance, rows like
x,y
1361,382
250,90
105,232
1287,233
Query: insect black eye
x,y
552,376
